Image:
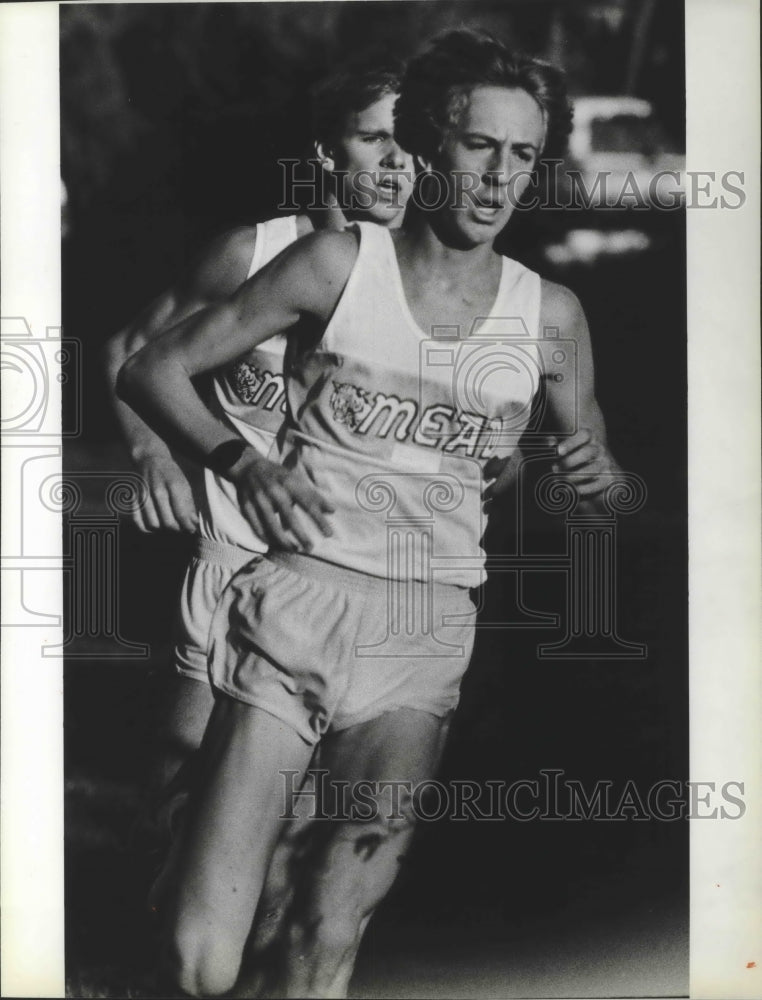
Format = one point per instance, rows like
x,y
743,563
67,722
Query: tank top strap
x,y
273,236
376,248
516,311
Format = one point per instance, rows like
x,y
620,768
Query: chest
x,y
439,305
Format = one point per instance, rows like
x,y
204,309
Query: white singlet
x,y
397,423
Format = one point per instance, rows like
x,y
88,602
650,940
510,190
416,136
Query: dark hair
x,y
352,87
438,82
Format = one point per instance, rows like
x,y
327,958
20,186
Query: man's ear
x,y
325,156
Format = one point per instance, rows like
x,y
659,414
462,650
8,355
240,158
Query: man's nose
x,y
499,168
394,157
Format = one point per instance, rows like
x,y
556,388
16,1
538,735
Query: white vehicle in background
x,y
622,156
621,179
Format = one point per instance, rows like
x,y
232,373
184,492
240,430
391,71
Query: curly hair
x,y
354,85
438,82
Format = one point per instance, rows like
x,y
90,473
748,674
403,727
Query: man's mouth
x,y
487,207
389,185
487,213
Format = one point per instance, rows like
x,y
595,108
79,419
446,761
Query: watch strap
x,y
222,458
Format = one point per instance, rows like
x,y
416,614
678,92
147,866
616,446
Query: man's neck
x,y
331,217
431,251
328,217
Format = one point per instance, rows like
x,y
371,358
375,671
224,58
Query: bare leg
x,y
190,703
355,862
211,885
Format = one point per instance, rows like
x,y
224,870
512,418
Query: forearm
x,y
140,439
160,393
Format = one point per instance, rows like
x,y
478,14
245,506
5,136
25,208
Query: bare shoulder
x,y
324,262
330,244
237,243
307,277
328,256
559,306
223,265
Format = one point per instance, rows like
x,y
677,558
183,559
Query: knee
x,y
200,963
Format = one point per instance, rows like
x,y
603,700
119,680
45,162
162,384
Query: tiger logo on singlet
x,y
349,404
256,386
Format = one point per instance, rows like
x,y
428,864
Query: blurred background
x,y
173,117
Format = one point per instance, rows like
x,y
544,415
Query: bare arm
x,y
304,282
216,275
581,443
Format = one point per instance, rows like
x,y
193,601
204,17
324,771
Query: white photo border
x,y
722,52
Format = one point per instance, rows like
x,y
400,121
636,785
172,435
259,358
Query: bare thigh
x,y
189,704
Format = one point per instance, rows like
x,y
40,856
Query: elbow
x,y
142,378
112,356
129,379
117,350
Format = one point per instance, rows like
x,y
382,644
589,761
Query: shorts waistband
x,y
353,579
223,555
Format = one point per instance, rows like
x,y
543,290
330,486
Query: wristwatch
x,y
222,458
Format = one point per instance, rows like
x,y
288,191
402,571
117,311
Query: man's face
x,y
375,176
487,158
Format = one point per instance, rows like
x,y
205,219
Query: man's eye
x,y
525,155
372,138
